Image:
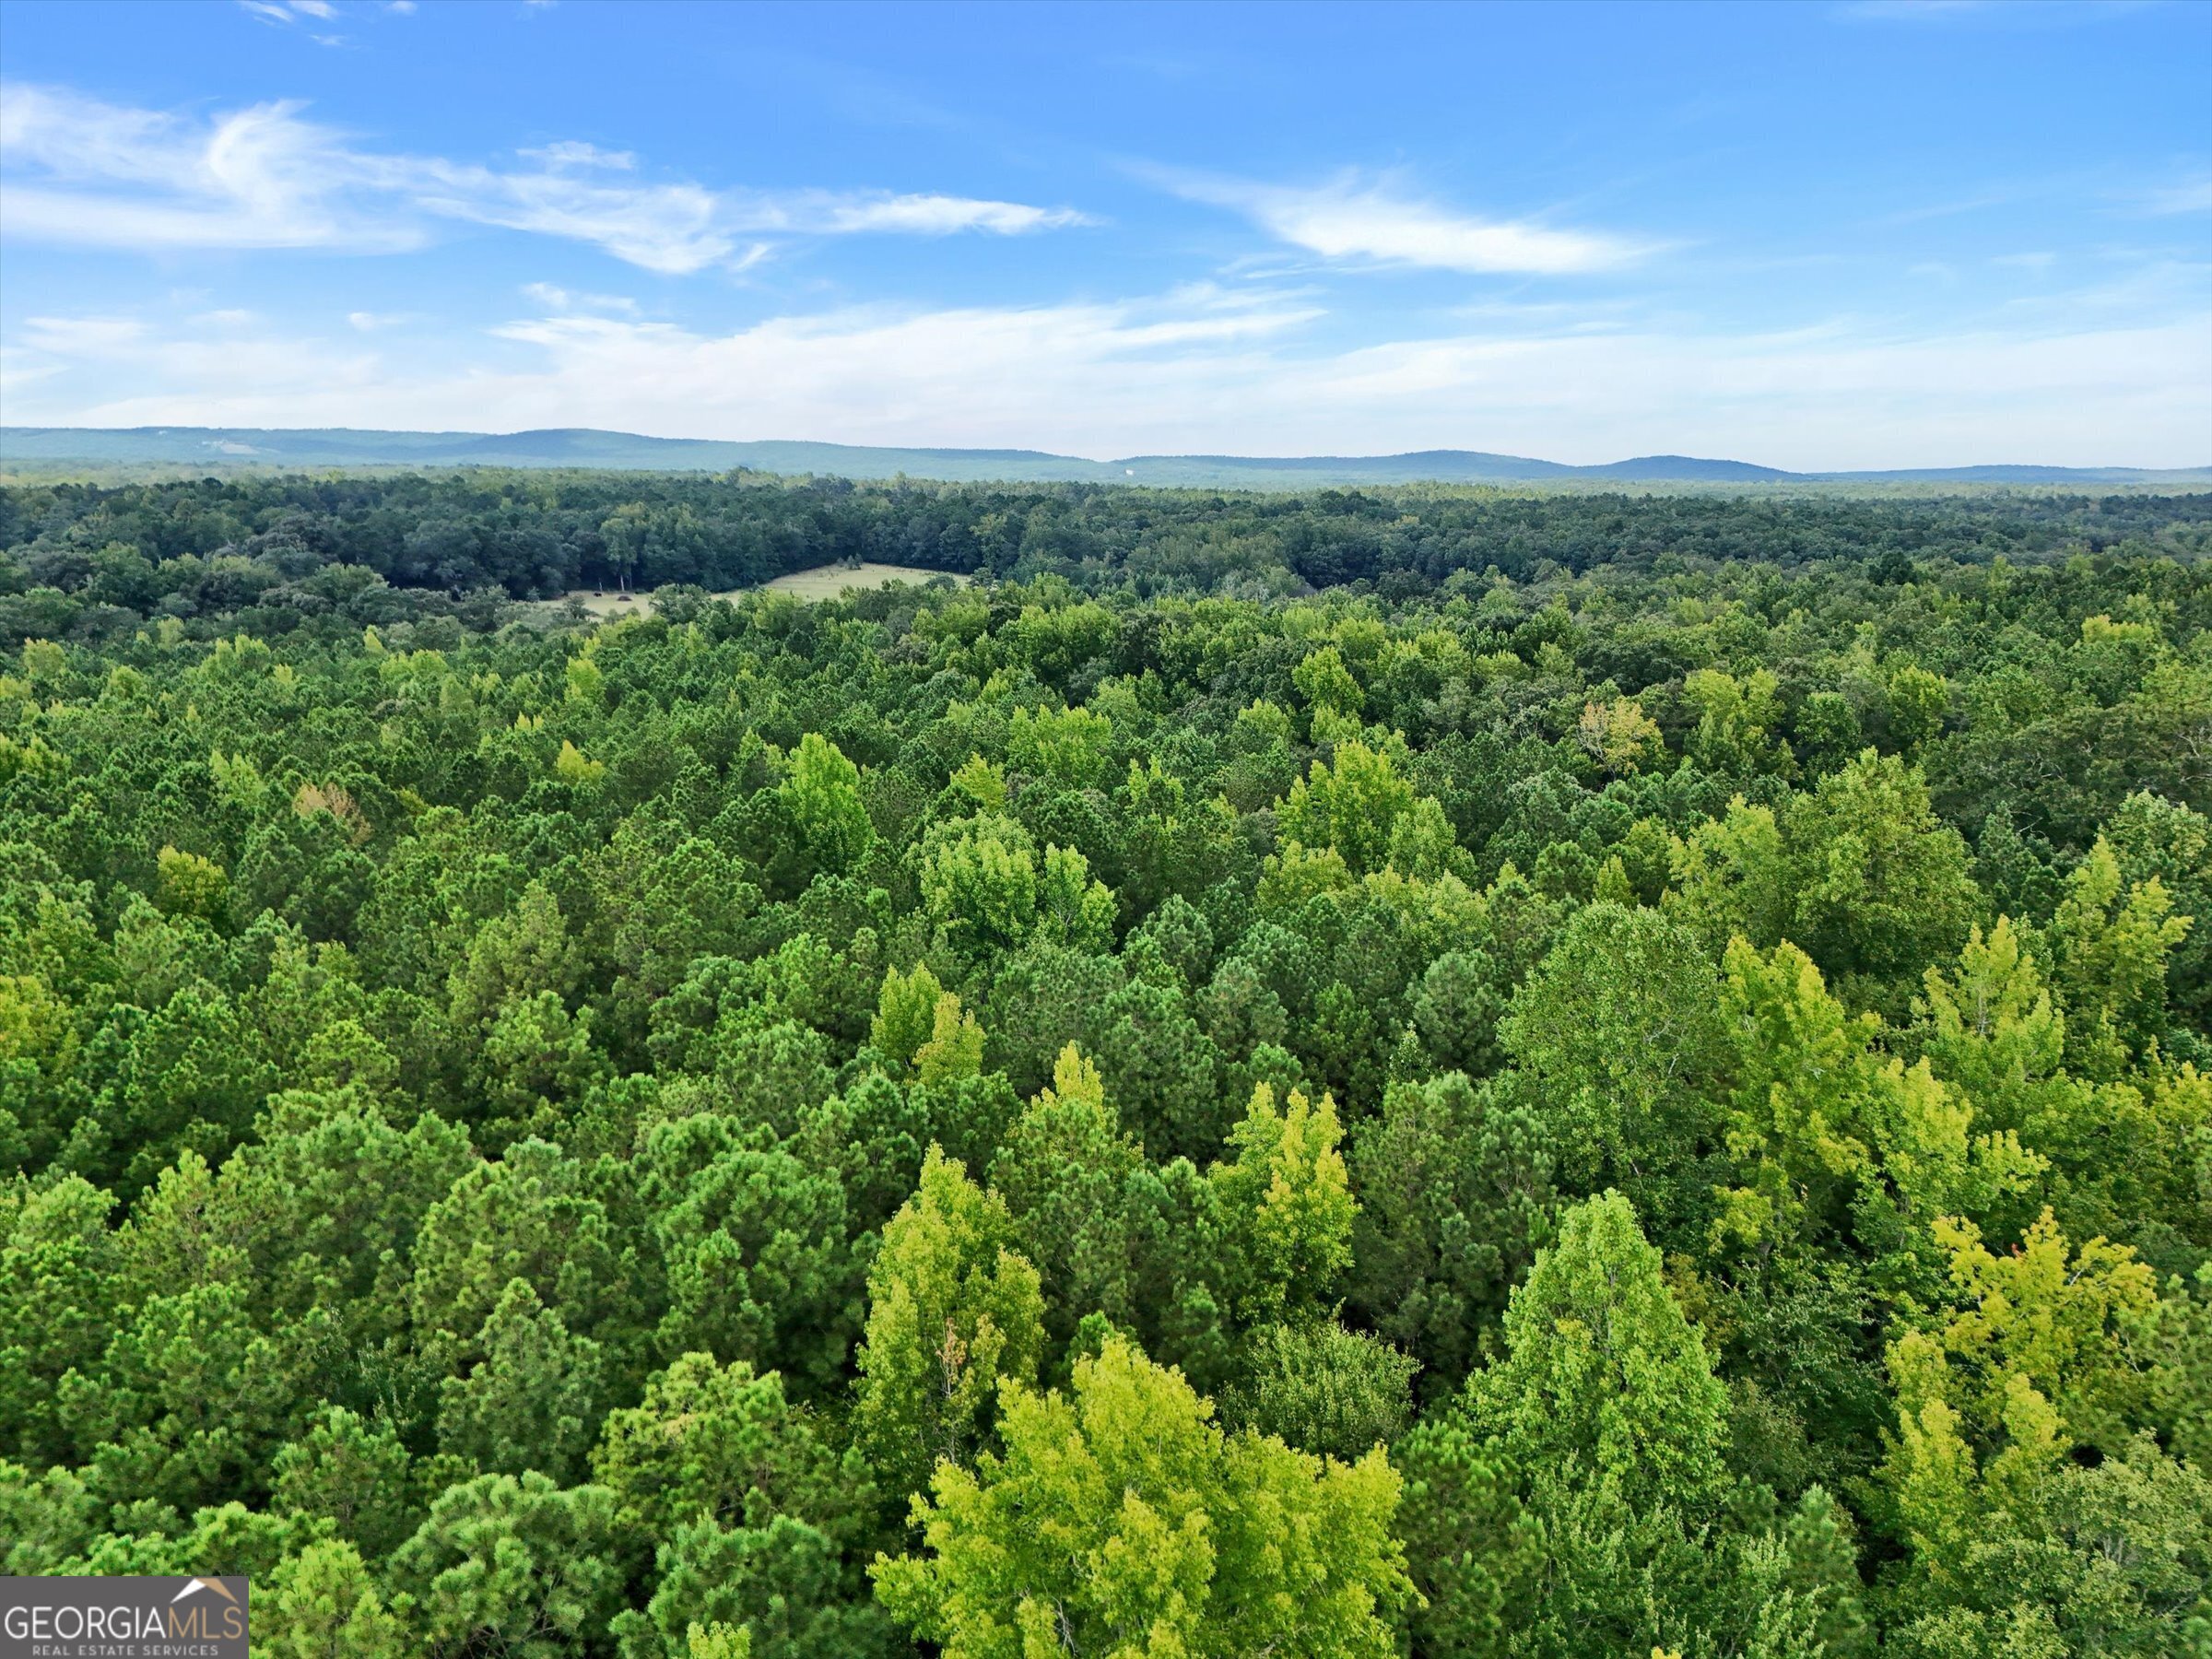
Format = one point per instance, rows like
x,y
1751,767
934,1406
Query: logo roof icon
x,y
214,1584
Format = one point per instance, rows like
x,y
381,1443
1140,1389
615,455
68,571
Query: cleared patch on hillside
x,y
824,581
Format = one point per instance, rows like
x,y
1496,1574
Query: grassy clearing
x,y
824,581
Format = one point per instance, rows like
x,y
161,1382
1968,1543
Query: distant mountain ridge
x,y
584,446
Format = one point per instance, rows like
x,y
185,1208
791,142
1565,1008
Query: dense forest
x,y
1415,1071
271,552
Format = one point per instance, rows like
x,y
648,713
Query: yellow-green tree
x,y
954,1311
1119,1519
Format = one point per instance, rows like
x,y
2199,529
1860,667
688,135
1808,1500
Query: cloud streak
x,y
83,172
1355,219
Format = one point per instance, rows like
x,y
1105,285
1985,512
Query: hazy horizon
x,y
320,446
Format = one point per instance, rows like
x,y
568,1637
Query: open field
x,y
824,581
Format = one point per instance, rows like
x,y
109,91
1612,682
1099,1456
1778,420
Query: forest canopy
x,y
1425,1070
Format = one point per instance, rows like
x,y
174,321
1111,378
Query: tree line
x,y
271,551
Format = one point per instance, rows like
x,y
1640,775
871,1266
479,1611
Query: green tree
x,y
1073,908
1604,1379
514,956
955,1049
1731,879
1122,1519
354,1473
980,884
2111,940
954,1314
1070,1176
324,1603
1578,1500
57,1261
1455,1186
1328,687
189,1403
821,792
2011,1535
534,1215
1828,730
784,1581
757,1249
1881,884
1349,806
1820,1124
1069,746
512,1565
906,1010
1322,1388
1289,1197
2152,836
723,1442
1736,723
1620,1030
1918,702
532,1399
190,884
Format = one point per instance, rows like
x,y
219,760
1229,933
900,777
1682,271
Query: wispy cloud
x,y
569,152
562,301
90,173
292,11
675,229
2009,13
85,173
1353,218
2184,195
1910,11
919,215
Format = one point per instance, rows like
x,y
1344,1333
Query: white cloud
x,y
316,8
930,215
1354,218
107,176
2189,195
561,302
93,336
365,321
1199,371
570,152
88,173
671,228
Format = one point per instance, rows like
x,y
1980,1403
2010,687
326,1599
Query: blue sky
x,y
1812,235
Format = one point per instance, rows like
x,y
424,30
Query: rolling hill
x,y
288,448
